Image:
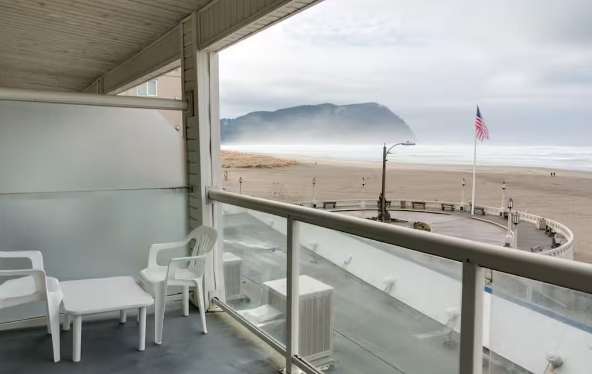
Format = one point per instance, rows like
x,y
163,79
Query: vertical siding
x,y
225,16
224,22
187,38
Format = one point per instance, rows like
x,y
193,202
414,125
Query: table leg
x,y
66,325
122,316
142,345
76,338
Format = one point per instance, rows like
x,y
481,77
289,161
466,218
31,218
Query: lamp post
x,y
385,154
503,194
363,202
508,238
462,199
314,191
515,221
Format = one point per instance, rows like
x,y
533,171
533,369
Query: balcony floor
x,y
108,347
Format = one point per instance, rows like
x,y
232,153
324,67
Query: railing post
x,y
471,322
292,298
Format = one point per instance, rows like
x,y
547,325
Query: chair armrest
x,y
175,263
38,276
35,256
156,248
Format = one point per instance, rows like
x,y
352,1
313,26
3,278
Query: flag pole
x,y
474,174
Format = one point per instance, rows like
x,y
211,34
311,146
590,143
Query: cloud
x,y
429,61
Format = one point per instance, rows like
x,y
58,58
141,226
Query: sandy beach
x,y
566,198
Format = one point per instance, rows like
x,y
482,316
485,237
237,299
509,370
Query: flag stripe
x,y
482,132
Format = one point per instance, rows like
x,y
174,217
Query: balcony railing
x,y
474,258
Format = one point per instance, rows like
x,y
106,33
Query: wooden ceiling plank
x,y
40,27
81,20
94,10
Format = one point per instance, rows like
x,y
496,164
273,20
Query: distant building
x,y
167,86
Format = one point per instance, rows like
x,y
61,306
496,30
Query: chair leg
x,y
186,301
53,317
142,314
77,338
159,309
202,310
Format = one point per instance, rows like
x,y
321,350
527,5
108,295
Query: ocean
x,y
553,157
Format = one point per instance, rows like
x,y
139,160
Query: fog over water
x,y
569,158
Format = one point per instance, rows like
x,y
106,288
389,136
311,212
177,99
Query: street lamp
x,y
508,239
515,221
314,192
503,193
363,202
385,154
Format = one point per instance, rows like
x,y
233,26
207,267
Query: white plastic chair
x,y
33,285
156,278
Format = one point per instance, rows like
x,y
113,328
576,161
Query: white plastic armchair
x,y
157,278
33,285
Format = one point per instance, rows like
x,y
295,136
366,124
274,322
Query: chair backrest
x,y
205,238
26,285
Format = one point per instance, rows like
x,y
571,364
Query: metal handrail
x,y
560,272
79,98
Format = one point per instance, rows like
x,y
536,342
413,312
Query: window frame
x,y
146,85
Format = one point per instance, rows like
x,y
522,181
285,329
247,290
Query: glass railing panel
x,y
254,264
537,327
371,307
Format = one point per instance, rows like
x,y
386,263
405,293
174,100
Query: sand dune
x,y
240,160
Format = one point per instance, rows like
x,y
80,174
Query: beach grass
x,y
231,159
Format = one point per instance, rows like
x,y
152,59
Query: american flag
x,y
481,131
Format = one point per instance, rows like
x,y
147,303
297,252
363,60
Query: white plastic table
x,y
92,296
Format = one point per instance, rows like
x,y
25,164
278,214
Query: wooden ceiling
x,y
66,44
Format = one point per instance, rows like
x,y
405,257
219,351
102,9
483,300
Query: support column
x,y
471,319
199,72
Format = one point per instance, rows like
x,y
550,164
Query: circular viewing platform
x,y
488,225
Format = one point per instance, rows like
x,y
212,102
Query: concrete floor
x,y
108,347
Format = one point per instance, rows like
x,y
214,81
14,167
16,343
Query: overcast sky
x,y
527,62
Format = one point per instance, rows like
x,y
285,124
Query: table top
x,y
88,296
230,257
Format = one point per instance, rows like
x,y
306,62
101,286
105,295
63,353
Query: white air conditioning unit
x,y
233,276
316,314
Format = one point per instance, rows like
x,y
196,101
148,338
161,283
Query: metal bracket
x,y
190,103
211,188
